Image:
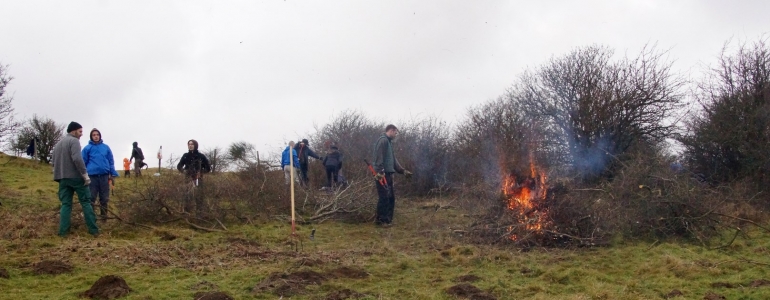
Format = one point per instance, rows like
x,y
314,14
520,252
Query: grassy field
x,y
418,258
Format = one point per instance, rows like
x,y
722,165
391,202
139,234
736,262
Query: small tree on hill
x,y
7,122
46,130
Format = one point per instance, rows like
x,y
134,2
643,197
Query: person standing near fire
x,y
193,164
385,164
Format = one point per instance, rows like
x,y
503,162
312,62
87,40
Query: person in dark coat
x,y
304,153
385,164
333,164
138,157
193,164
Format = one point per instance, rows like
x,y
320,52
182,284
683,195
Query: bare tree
x,y
7,122
46,130
595,108
217,159
729,135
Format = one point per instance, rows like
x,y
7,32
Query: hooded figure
x,y
333,164
100,165
193,163
304,153
126,167
136,153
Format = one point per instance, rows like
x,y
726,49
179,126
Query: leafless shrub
x,y
593,107
728,136
7,122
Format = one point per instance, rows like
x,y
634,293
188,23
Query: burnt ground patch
x,y
469,291
287,285
212,296
108,287
51,267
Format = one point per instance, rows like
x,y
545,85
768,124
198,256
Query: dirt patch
x,y
674,293
212,296
51,267
723,285
108,287
467,278
287,285
759,283
4,273
166,236
469,291
348,272
204,285
344,294
713,296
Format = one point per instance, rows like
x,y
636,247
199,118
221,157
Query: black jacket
x,y
333,159
304,152
137,153
193,162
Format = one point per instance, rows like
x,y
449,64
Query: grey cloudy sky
x,y
162,72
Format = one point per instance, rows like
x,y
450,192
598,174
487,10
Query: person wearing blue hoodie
x,y
287,169
100,165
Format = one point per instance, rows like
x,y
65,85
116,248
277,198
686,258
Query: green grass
x,y
418,258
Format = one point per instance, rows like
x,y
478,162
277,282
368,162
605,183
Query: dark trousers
x,y
194,196
100,188
303,172
127,173
331,175
387,203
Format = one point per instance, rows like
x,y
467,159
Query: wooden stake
x,y
291,187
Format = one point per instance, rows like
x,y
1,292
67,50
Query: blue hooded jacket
x,y
285,158
98,158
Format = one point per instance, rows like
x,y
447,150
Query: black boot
x,y
103,213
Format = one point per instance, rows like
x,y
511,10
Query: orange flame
x,y
524,197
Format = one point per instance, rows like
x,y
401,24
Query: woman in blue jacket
x,y
100,166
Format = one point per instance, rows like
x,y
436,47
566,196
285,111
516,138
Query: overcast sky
x,y
163,72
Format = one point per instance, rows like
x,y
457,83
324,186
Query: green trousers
x,y
67,188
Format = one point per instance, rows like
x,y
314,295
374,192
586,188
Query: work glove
x,y
87,179
379,176
407,174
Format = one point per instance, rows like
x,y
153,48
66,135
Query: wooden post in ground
x,y
291,187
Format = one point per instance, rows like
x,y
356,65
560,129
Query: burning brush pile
x,y
529,213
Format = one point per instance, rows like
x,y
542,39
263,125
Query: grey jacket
x,y
67,160
384,160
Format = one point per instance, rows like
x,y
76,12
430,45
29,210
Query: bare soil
x,y
4,273
344,294
51,267
759,283
212,296
713,296
108,287
469,291
287,285
348,272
